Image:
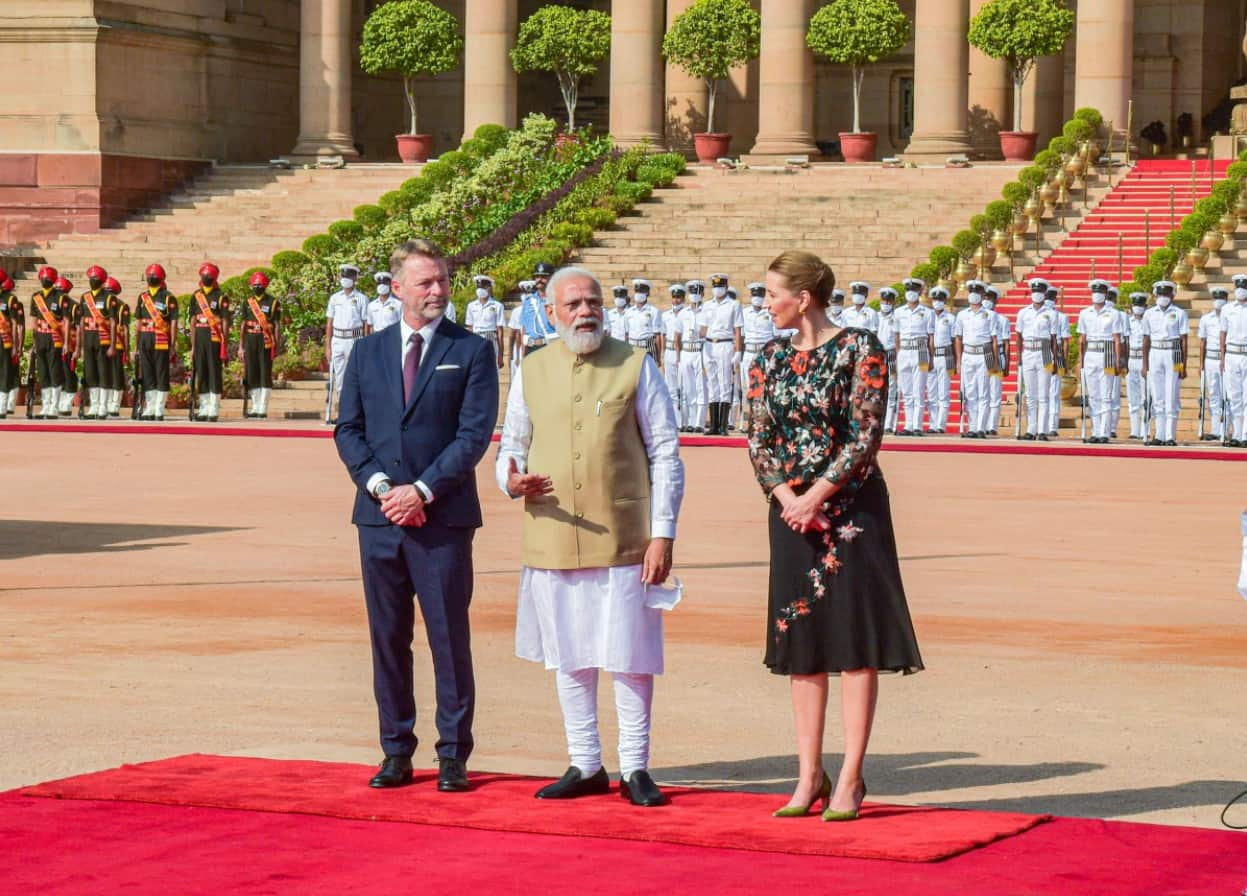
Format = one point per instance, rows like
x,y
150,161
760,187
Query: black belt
x,y
727,339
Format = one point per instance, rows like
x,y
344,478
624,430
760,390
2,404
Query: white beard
x,y
579,342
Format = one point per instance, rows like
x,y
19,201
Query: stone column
x,y
636,87
941,73
785,81
489,80
687,98
990,98
325,80
1104,65
1043,98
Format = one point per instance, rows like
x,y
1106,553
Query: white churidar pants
x,y
634,698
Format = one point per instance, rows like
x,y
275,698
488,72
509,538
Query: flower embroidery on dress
x,y
848,532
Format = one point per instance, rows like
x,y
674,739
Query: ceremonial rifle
x,y
1017,398
329,396
137,392
30,385
82,391
1202,391
193,399
961,409
1082,408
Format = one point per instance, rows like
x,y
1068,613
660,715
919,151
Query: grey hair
x,y
569,273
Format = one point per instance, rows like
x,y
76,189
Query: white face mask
x,y
621,302
677,304
640,298
859,300
885,307
976,299
719,291
1218,304
1097,298
482,292
755,301
938,304
912,297
1163,301
1037,298
1138,310
696,300
347,283
1240,294
383,289
1049,303
989,303
837,310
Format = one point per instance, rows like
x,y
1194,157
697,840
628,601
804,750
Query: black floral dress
x,y
836,599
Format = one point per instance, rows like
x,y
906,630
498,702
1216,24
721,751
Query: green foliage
x,y
999,214
1124,291
1077,130
346,231
673,161
237,289
491,136
945,259
1032,176
572,234
369,215
567,42
410,38
1091,117
655,175
286,262
978,223
1163,260
857,32
1015,193
634,192
1048,160
1181,241
711,38
1226,192
1019,32
1146,275
1242,156
1062,145
391,202
319,245
928,272
966,242
597,218
1237,170
435,174
458,161
1211,208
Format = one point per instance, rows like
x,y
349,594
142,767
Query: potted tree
x,y
1019,32
566,42
708,40
856,33
411,38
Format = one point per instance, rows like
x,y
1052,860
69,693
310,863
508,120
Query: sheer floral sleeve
x,y
768,466
868,392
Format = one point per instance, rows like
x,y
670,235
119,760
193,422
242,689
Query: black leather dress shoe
x,y
452,775
640,790
574,783
395,772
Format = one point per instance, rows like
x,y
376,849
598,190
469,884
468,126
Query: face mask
x,y
257,291
755,301
346,283
1138,310
1240,294
46,283
989,304
837,310
153,282
383,289
677,304
911,297
1097,298
938,304
1037,298
885,307
859,300
621,303
696,301
1218,304
1049,303
206,280
719,291
640,298
1163,301
482,292
976,299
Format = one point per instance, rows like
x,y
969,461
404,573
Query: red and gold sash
x,y
6,331
49,321
159,325
214,322
266,326
100,323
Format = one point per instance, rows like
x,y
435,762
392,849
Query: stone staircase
x,y
237,216
869,223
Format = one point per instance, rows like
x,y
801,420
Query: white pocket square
x,y
446,367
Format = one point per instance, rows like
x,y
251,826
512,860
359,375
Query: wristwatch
x,y
382,487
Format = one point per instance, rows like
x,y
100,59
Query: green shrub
x,y
457,160
437,174
1062,146
636,192
999,214
572,234
418,190
1077,130
1048,160
928,272
1181,241
370,216
1032,177
1015,193
1226,192
673,161
1163,260
945,259
1211,208
474,149
319,245
655,175
288,261
237,289
1091,116
597,218
492,136
1237,170
346,231
391,202
966,242
978,223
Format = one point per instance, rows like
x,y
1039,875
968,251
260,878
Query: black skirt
x,y
836,599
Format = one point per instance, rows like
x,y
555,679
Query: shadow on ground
x,y
20,539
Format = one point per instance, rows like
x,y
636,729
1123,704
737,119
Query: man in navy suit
x,y
419,403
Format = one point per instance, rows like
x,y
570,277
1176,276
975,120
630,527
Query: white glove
x,y
736,359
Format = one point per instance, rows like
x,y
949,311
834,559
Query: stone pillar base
x,y
937,147
656,141
776,148
311,149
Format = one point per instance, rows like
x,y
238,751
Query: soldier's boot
x,y
12,401
265,394
714,418
65,402
4,404
112,402
149,404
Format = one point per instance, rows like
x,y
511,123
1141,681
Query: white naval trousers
x,y
1096,382
1236,392
893,404
671,373
974,390
995,398
913,386
939,391
1215,395
1114,401
1163,385
339,352
1054,403
719,379
634,699
1136,397
1036,380
693,389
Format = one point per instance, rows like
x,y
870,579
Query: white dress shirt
x,y
384,312
1234,323
913,322
975,326
1036,323
863,318
944,325
1098,323
485,318
1165,323
722,318
347,311
758,327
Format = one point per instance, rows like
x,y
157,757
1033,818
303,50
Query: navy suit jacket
x,y
438,437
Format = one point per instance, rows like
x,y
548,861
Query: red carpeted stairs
x,y
1137,211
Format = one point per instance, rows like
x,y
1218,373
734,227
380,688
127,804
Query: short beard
x,y
578,342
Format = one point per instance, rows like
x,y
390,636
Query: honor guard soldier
x,y
836,309
758,329
120,360
943,361
1119,363
891,340
672,337
617,317
485,316
998,372
1165,331
156,313
542,272
385,310
1210,324
344,324
209,319
859,315
536,329
1136,384
722,332
50,312
1035,331
692,367
97,328
1099,344
644,321
915,325
977,349
1234,363
69,357
1060,360
257,343
12,337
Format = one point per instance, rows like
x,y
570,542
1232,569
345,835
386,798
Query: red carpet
x,y
87,848
705,818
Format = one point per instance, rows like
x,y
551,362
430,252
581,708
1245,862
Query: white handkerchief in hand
x,y
660,597
1242,572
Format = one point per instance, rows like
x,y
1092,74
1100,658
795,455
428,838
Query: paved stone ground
x,y
1085,646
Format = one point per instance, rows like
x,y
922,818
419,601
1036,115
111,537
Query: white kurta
x,y
601,618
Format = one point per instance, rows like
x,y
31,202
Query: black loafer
x,y
395,772
574,783
452,775
640,790
1042,437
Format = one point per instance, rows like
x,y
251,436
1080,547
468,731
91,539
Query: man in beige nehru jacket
x,y
591,443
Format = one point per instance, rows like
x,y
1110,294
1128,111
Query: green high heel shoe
x,y
830,814
824,794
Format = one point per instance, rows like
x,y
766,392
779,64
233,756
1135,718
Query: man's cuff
x,y
373,481
424,490
662,529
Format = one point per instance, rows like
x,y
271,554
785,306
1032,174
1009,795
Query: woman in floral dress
x,y
837,605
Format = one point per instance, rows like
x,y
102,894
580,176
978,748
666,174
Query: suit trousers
x,y
433,564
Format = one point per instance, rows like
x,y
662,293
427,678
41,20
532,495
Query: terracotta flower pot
x,y
712,147
858,147
414,147
1018,146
